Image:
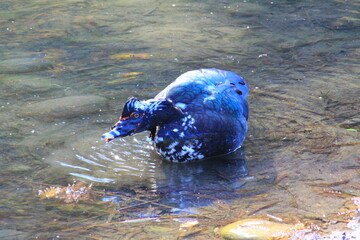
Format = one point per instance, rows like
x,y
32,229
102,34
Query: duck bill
x,y
110,136
114,134
120,129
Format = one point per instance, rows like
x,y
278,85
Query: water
x,y
300,58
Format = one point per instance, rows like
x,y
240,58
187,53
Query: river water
x,y
67,68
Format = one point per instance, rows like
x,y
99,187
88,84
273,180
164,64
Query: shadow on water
x,y
199,184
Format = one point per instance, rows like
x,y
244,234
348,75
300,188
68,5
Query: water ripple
x,y
94,179
73,166
88,161
133,161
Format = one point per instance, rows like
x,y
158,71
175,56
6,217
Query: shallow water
x,y
300,58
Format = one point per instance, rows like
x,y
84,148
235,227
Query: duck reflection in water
x,y
200,183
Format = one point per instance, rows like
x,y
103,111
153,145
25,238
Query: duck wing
x,y
204,90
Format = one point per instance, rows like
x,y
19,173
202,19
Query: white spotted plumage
x,y
176,150
181,105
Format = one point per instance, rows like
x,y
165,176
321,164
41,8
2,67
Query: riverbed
x,y
68,67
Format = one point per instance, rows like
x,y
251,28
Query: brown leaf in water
x,y
72,193
333,193
348,212
354,185
347,144
329,184
279,178
262,208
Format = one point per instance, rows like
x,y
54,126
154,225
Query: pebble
x,y
24,65
63,108
252,229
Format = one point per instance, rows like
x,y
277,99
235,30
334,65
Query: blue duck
x,y
203,113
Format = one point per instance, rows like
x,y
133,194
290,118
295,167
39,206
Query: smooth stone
x,y
252,228
25,65
65,107
27,83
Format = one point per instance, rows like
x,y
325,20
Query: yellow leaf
x,y
131,56
125,77
128,74
120,80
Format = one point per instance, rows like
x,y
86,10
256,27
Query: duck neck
x,y
162,111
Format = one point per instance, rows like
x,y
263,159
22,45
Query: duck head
x,y
139,116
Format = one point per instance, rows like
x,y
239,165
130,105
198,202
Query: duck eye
x,y
238,91
136,115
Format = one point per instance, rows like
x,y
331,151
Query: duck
x,y
202,114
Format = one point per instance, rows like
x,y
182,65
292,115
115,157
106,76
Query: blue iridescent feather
x,y
203,113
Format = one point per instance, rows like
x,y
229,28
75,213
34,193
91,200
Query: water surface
x,y
300,58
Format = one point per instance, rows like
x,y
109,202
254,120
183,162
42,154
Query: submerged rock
x,y
65,107
17,168
245,9
254,229
12,234
27,83
25,65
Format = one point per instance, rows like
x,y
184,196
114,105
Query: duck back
x,y
215,115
